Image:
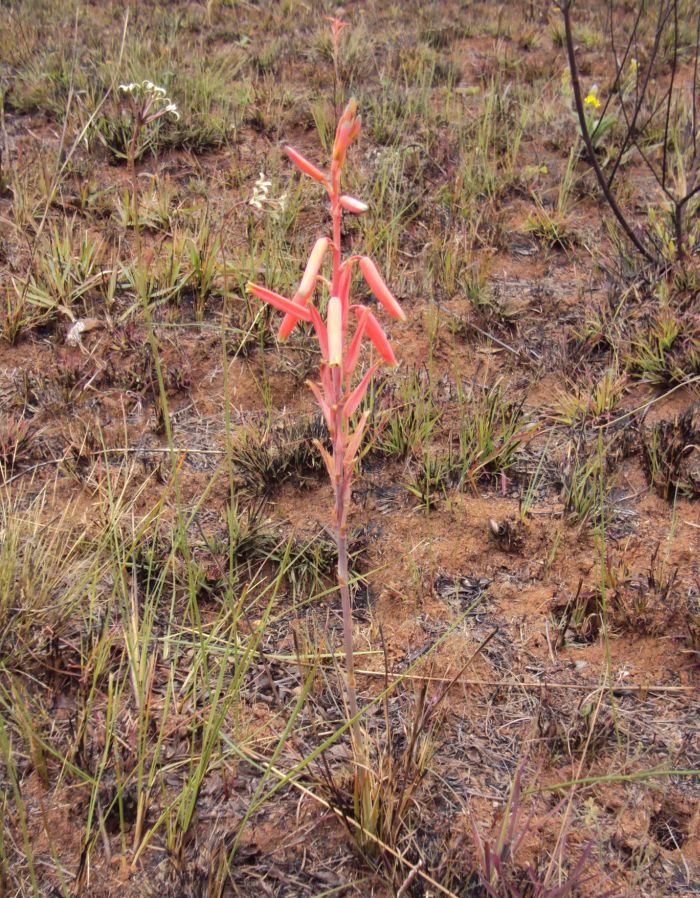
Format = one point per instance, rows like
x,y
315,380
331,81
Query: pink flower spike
x,y
355,398
335,332
378,337
349,115
353,352
380,289
321,332
342,141
313,266
307,167
279,302
355,130
350,204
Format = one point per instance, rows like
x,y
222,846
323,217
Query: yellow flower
x,y
591,98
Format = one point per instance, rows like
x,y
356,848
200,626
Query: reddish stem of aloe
x,y
342,487
341,496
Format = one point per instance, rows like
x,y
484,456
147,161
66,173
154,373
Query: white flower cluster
x,y
261,198
260,191
152,96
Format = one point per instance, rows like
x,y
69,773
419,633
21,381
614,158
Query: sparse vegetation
x,y
518,539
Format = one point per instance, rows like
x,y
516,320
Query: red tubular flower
x,y
348,129
313,266
349,114
289,321
306,287
380,289
307,167
353,352
279,302
321,332
376,334
342,142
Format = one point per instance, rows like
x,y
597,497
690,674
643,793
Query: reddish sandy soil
x,y
481,588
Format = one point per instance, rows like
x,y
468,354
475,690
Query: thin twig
x,y
565,7
527,684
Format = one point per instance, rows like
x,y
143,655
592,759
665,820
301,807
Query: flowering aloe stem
x,y
337,395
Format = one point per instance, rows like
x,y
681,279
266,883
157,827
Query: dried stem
x,y
565,7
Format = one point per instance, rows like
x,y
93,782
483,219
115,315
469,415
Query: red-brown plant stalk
x,y
338,394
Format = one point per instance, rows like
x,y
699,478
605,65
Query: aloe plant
x,y
338,394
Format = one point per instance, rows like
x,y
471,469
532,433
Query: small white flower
x,y
262,184
260,191
152,98
260,198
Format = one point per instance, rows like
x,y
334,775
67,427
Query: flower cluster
x,y
261,198
150,99
591,98
260,191
340,351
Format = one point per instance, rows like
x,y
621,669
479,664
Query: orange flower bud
x,y
350,111
357,207
307,167
335,331
380,289
342,141
308,281
356,127
347,130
